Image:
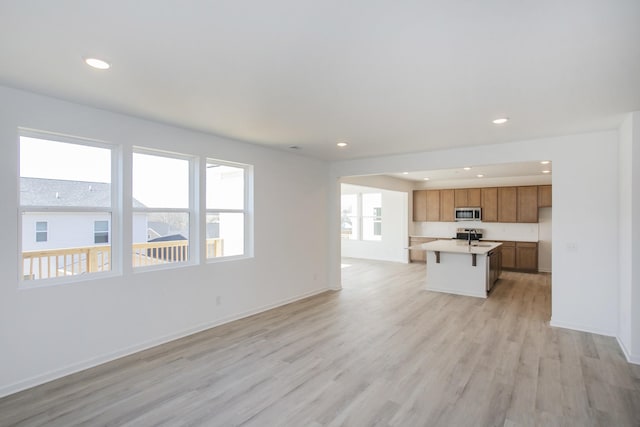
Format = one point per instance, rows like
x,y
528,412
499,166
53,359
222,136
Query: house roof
x,y
63,193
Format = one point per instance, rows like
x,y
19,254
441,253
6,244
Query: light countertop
x,y
458,246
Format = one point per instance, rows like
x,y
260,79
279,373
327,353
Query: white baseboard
x,y
581,328
99,360
631,358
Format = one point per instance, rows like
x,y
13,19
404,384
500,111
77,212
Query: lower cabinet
x,y
508,255
419,256
527,256
520,256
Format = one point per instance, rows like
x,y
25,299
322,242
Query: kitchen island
x,y
457,267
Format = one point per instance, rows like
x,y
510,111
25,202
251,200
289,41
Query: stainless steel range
x,y
469,233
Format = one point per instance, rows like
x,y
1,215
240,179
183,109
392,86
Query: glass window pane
x,y
66,175
101,232
225,234
160,238
371,204
225,187
63,174
160,182
349,216
68,248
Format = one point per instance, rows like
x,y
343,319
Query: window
x,y
371,216
350,220
41,231
65,185
226,190
101,232
361,216
161,208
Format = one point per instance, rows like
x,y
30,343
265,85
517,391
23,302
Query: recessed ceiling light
x,y
405,173
97,63
341,144
426,179
546,171
501,121
479,175
545,162
467,168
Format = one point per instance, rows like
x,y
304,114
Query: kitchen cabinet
x,y
520,256
544,196
433,205
528,204
489,204
508,255
447,205
527,256
473,197
499,204
415,255
507,204
461,199
467,197
420,205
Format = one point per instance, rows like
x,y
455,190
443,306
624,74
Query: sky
x,y
58,160
157,181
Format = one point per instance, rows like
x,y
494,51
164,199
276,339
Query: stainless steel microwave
x,y
468,214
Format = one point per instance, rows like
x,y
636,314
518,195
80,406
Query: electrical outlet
x,y
218,300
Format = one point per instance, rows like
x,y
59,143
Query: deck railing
x,y
44,264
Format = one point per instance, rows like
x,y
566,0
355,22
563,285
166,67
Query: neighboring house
x,y
55,230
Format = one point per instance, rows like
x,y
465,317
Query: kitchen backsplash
x,y
492,230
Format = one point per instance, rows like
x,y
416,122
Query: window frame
x,y
359,217
115,266
45,231
246,210
95,232
193,250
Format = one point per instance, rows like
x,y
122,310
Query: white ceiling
x,y
388,77
488,172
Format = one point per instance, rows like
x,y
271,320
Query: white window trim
x,y
360,218
115,258
248,209
193,247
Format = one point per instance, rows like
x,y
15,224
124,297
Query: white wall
x,y
392,246
50,331
629,245
491,230
585,179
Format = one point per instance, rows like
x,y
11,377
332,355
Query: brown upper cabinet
x,y
433,205
528,204
420,205
507,204
489,204
499,204
544,196
447,205
461,197
473,197
467,197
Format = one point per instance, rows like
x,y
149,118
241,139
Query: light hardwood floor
x,y
380,352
